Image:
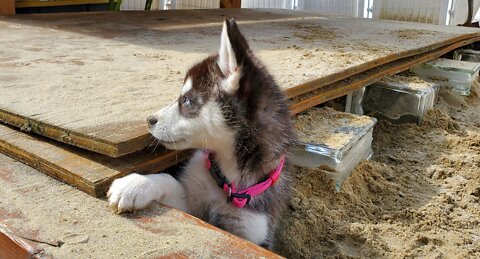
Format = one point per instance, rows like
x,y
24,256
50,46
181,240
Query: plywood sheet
x,y
343,87
90,80
66,223
88,171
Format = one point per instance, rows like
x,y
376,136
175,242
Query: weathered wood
x,y
100,96
14,247
7,7
41,3
42,210
81,168
230,3
343,87
88,171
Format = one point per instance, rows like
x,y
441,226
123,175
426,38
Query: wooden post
x,y
230,3
7,7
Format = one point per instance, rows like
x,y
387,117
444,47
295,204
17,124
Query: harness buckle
x,y
241,196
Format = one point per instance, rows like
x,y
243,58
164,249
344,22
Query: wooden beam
x,y
88,171
135,132
230,3
7,7
40,3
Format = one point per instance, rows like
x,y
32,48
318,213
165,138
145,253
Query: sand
x,y
419,196
329,127
411,33
409,81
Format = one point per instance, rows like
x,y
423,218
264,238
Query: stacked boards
x,y
89,80
88,171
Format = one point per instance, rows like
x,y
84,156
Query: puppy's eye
x,y
186,101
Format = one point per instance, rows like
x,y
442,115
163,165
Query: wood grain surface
x,y
7,7
13,247
88,171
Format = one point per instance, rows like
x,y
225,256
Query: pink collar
x,y
240,198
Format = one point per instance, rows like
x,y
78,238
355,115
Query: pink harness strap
x,y
241,198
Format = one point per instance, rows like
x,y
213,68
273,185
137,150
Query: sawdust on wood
x,y
411,33
313,32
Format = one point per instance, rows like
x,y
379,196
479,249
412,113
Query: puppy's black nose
x,y
151,120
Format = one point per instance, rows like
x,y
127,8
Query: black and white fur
x,y
230,105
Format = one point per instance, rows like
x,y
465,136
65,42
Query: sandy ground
x,y
419,196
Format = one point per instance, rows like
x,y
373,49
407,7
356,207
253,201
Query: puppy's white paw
x,y
132,192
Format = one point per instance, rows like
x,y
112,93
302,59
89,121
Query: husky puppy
x,y
230,106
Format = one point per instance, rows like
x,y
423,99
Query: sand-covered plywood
x,y
331,128
343,87
90,80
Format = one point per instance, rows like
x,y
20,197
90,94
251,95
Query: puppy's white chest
x,y
200,185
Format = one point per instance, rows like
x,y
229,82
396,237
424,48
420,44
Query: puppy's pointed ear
x,y
233,49
227,61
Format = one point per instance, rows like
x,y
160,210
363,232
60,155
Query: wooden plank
x,y
88,171
7,7
66,223
343,87
41,3
230,3
14,247
99,97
